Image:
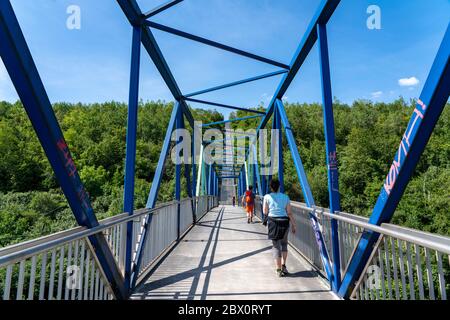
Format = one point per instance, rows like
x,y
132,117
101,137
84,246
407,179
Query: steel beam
x,y
236,83
307,194
135,17
214,44
428,109
130,160
330,143
25,77
153,196
322,15
277,122
161,8
222,105
258,176
179,125
231,120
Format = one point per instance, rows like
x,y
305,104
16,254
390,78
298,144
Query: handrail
x,y
405,263
426,239
27,249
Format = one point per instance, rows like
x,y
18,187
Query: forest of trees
x,y
368,134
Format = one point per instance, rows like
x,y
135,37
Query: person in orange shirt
x,y
248,201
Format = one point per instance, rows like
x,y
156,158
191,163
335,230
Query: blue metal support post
x,y
153,195
277,121
25,77
130,160
210,176
328,118
194,176
428,109
305,189
179,125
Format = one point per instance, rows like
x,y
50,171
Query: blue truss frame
x,y
25,77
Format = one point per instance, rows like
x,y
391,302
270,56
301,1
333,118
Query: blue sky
x,y
92,64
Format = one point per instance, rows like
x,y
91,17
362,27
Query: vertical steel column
x,y
215,183
130,160
244,180
153,195
246,173
239,186
198,190
210,177
194,171
253,167
262,146
305,188
25,77
428,109
204,181
179,125
277,126
328,118
193,186
257,173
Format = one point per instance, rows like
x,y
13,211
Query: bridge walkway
x,y
223,257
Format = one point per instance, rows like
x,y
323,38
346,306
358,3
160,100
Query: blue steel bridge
x,y
200,247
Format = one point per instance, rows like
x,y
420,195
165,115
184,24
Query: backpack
x,y
249,198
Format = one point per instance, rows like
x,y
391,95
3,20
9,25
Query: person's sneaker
x,y
284,269
280,273
248,220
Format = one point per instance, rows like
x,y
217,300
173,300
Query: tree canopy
x,y
367,136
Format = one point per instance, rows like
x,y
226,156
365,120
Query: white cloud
x,y
408,82
376,94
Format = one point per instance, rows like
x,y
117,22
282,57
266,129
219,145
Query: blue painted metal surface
x,y
25,77
322,15
161,8
305,189
330,143
130,159
153,196
429,107
257,172
134,15
179,125
277,126
221,105
236,83
231,120
213,44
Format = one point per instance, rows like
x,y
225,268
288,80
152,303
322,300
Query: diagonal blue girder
x,y
213,44
428,109
25,77
221,105
236,83
307,194
161,8
153,196
231,120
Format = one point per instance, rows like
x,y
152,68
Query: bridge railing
x,y
63,266
406,264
